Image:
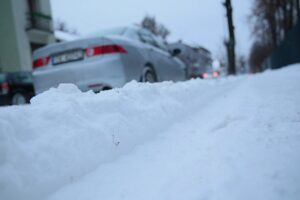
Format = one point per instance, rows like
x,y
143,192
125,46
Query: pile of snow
x,y
234,138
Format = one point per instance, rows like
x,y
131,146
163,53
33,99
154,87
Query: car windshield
x,y
107,32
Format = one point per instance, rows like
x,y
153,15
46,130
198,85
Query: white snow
x,y
232,138
65,36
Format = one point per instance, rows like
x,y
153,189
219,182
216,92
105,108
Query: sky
x,y
195,22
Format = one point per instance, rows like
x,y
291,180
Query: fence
x,y
288,52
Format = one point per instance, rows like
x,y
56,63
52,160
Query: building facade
x,y
24,26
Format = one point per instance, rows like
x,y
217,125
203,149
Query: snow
x,y
231,138
65,36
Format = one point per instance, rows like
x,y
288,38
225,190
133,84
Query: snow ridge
x,y
233,138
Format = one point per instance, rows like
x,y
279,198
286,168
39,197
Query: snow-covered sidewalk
x,y
235,138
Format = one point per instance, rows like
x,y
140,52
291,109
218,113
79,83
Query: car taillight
x,y
40,62
105,49
215,74
4,87
205,75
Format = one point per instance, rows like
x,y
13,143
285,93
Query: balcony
x,y
39,28
39,22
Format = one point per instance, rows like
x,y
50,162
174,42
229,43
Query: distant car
x,y
16,88
197,59
105,60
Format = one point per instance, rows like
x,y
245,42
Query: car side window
x,y
151,39
131,34
160,43
147,38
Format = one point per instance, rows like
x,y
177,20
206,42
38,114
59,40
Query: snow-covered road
x,y
234,138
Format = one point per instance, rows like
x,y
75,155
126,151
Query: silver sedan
x,y
106,59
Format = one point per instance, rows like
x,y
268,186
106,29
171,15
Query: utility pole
x,y
230,43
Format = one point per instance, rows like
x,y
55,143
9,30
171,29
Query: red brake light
x,y
205,75
40,62
4,87
215,74
105,49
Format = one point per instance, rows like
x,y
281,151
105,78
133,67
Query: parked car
x,y
16,88
197,59
106,59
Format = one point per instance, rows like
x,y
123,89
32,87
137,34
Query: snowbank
x,y
65,134
235,138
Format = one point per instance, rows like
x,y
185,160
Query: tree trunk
x,y
298,9
273,19
291,14
230,44
273,30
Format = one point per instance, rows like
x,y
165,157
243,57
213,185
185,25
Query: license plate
x,y
67,57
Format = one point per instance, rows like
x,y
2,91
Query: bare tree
x,y
298,8
150,24
271,20
258,53
62,26
162,31
274,18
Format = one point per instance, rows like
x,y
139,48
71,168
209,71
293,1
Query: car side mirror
x,y
176,52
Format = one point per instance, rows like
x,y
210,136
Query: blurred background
x,y
30,24
261,26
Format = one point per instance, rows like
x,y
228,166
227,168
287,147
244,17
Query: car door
x,y
174,66
167,68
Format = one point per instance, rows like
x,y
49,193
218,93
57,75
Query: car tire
x,y
19,98
149,75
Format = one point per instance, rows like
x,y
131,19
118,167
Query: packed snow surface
x,y
227,139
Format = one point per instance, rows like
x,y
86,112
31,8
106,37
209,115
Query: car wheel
x,y
149,76
18,98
